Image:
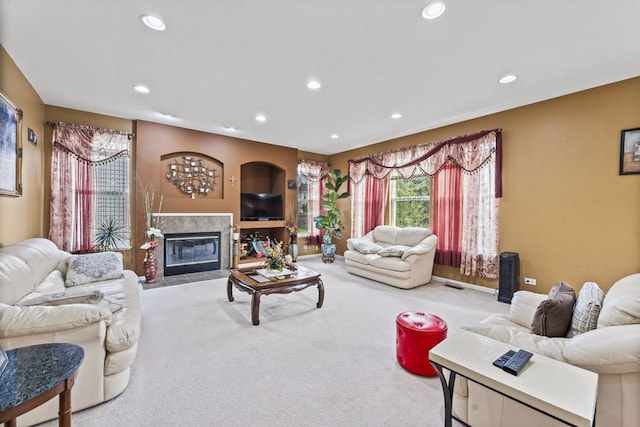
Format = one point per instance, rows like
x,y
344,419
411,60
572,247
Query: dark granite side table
x,y
36,374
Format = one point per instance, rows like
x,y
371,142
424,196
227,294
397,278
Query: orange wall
x,y
21,217
565,209
155,140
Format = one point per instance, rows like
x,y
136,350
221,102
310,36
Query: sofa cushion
x,y
586,310
16,279
553,315
393,251
83,269
523,307
390,264
41,256
386,234
365,246
621,306
411,236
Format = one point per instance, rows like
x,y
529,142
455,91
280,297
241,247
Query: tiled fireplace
x,y
192,225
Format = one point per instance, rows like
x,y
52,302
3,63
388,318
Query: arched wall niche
x,y
262,177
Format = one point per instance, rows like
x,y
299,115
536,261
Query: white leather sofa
x,y
400,257
612,350
32,278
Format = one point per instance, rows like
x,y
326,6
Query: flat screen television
x,y
261,207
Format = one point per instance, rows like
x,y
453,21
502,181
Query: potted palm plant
x,y
330,222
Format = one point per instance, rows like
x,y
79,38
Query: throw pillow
x,y
61,298
587,309
82,269
366,247
395,251
553,315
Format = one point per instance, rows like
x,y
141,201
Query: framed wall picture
x,y
10,148
630,151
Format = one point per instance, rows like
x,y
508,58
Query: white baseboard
x,y
467,285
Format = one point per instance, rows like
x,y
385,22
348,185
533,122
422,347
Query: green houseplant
x,y
109,235
330,222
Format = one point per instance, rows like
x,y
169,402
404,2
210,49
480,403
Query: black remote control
x,y
500,361
517,361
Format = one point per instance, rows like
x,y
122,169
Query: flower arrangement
x,y
292,225
152,233
149,245
273,254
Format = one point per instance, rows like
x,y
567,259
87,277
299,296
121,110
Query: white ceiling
x,y
220,63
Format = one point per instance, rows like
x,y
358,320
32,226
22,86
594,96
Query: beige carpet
x,y
202,363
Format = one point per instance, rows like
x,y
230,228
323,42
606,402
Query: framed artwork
x,y
10,148
630,151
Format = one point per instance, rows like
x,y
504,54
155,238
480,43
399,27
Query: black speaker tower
x,y
509,276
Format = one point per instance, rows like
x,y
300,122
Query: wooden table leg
x,y
11,423
255,308
230,290
320,293
64,409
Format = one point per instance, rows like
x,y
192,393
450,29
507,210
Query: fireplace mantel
x,y
195,223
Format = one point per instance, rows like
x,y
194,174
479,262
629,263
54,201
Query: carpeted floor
x,y
202,363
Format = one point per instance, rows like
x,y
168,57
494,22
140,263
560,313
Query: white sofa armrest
x,y
424,247
18,321
610,350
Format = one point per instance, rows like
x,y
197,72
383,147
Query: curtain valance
x,y
469,152
90,144
312,170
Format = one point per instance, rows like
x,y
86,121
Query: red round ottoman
x,y
417,333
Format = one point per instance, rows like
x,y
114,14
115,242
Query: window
x,y
112,194
89,185
308,206
303,205
410,202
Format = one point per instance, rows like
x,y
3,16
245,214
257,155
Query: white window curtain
x,y
316,174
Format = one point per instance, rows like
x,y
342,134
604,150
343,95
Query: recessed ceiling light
x,y
433,10
231,129
334,136
141,89
153,22
508,78
396,115
261,118
314,84
168,116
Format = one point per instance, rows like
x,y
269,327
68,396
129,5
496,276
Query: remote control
x,y
500,361
517,361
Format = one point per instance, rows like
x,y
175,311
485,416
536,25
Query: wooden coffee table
x,y
250,281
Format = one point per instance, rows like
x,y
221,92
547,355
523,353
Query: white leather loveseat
x,y
612,350
98,309
400,257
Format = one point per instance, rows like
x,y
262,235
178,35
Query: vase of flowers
x,y
274,256
150,262
292,227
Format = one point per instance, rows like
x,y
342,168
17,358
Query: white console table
x,y
562,391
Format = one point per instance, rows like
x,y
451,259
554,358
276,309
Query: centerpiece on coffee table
x,y
275,260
